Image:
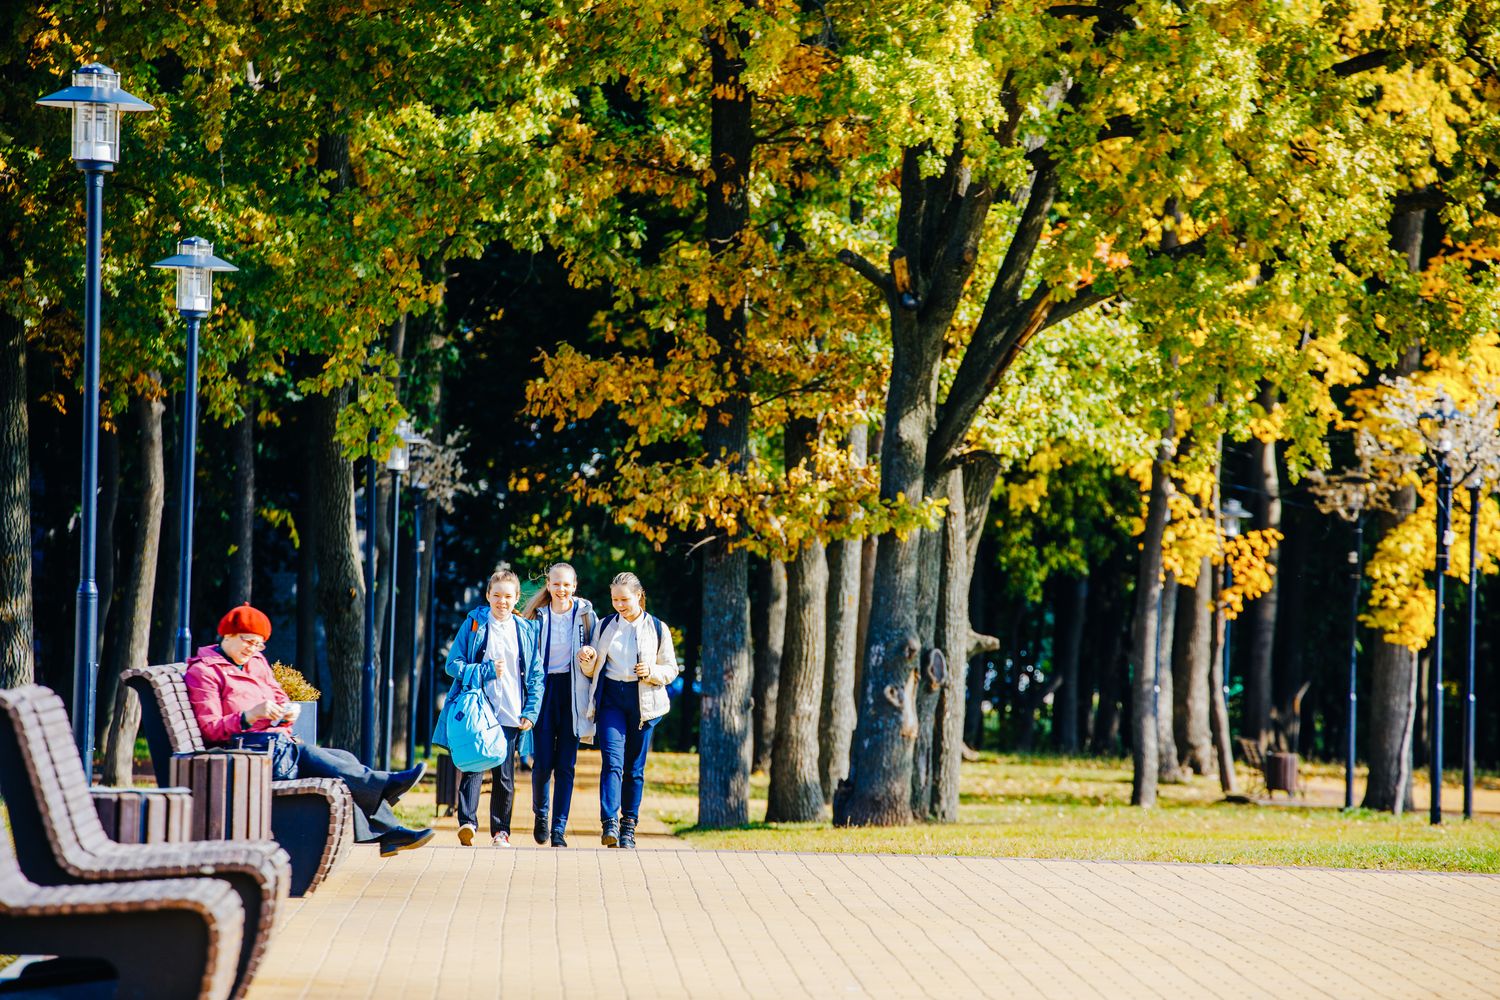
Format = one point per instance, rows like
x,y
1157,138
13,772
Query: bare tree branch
x,y
869,271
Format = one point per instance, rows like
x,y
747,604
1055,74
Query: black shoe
x,y
611,835
402,839
558,840
627,831
539,828
401,782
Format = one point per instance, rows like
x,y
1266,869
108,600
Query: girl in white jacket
x,y
630,662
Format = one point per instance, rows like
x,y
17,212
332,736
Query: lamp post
x,y
1234,514
97,103
367,673
195,265
1442,448
397,462
1469,720
419,546
432,603
1348,495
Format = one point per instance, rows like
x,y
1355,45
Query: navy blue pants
x,y
556,753
624,743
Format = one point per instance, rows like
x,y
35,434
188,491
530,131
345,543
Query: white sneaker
x,y
466,835
500,840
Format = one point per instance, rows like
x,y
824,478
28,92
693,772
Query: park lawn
x,y
1051,807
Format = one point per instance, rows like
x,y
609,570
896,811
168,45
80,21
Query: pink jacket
x,y
220,691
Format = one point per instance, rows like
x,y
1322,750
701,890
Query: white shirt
x,y
502,648
560,640
623,653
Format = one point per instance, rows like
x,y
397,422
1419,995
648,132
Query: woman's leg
x,y
469,783
637,746
611,737
565,762
503,785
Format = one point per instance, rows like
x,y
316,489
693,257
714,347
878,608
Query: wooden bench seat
x,y
311,818
59,840
131,926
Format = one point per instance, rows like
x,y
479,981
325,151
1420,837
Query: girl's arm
x,y
589,655
535,678
665,670
456,663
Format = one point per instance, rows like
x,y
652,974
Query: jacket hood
x,y
212,654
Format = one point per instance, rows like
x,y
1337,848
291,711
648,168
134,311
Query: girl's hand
x,y
586,658
525,725
642,670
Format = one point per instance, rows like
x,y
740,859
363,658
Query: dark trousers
x,y
624,744
556,751
502,789
372,814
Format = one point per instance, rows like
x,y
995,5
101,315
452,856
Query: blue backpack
x,y
476,742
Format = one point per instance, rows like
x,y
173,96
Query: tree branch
x,y
866,269
1361,63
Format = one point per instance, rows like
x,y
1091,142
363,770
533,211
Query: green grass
x,y
1050,807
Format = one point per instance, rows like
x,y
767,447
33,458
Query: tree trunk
x,y
837,723
1260,684
768,637
1144,750
109,506
341,585
796,793
134,636
1218,708
1191,648
1072,607
242,509
953,629
725,737
1169,770
925,696
1108,641
169,564
307,555
16,666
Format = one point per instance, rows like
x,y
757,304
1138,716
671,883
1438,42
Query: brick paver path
x,y
451,923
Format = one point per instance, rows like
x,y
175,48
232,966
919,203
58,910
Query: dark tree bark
x,y
926,691
1169,770
1108,588
953,637
168,565
768,640
796,793
1393,695
1072,607
1145,753
242,508
1260,681
1190,658
307,554
341,585
134,635
725,738
836,727
16,666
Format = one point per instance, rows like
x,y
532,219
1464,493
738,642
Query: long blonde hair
x,y
534,605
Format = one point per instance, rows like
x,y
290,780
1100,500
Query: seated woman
x,y
233,691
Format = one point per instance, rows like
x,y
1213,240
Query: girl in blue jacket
x,y
504,646
565,622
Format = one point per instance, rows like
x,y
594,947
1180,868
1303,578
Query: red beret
x,y
245,620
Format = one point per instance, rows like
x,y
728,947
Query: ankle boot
x,y
627,831
611,833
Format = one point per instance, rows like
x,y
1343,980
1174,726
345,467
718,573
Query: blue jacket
x,y
468,650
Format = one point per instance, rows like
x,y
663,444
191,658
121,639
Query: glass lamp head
x,y
97,102
1233,513
195,265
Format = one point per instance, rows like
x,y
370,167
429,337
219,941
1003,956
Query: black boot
x,y
539,828
627,831
611,835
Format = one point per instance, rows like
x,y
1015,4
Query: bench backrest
x,y
167,718
46,793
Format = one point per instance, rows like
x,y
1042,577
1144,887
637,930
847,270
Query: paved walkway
x,y
449,922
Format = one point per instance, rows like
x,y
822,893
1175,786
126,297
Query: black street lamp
x,y
1442,448
367,673
419,546
1234,514
397,462
1469,720
97,103
195,265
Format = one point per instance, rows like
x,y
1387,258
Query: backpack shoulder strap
x,y
657,622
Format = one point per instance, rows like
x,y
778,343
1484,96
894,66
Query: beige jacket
x,y
652,689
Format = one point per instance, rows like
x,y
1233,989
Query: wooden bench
x,y
131,926
312,818
145,815
60,842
